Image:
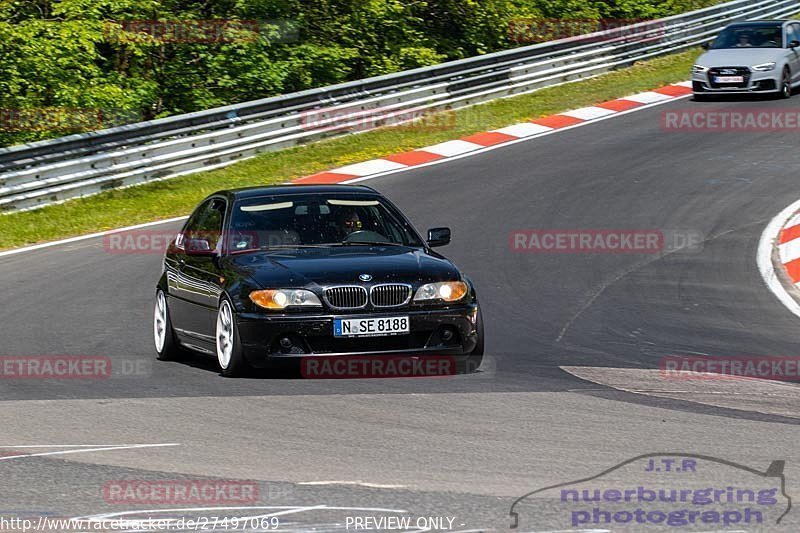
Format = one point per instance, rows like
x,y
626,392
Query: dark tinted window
x,y
792,34
755,36
206,223
335,219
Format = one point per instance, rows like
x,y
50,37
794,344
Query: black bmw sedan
x,y
268,274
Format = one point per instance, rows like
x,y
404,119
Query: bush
x,y
82,64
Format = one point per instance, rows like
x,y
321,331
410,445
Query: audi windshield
x,y
749,36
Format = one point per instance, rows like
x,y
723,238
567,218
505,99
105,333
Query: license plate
x,y
729,79
370,327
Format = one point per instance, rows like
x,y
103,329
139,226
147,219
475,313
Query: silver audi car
x,y
761,56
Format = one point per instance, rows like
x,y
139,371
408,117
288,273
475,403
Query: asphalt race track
x,y
464,446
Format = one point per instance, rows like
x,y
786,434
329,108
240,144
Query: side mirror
x,y
794,44
198,247
705,46
438,237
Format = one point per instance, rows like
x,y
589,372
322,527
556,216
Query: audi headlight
x,y
699,69
448,291
283,298
764,67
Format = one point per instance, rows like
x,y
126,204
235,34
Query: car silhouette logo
x,y
365,277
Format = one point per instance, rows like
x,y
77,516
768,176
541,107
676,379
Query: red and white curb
x,y
789,248
779,257
447,151
480,142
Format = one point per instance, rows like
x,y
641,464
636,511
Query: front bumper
x,y
312,334
755,82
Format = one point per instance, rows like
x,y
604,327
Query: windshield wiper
x,y
296,246
321,245
277,247
368,243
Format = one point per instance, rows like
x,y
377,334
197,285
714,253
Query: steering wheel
x,y
242,240
365,236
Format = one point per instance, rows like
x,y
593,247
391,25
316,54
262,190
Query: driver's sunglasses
x,y
353,224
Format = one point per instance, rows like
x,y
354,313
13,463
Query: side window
x,y
793,34
206,224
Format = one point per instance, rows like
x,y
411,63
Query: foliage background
x,y
78,55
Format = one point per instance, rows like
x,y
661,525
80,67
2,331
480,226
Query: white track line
x,y
107,516
146,523
358,482
241,508
764,257
90,236
73,445
88,450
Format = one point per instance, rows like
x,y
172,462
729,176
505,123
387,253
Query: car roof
x,y
273,190
776,22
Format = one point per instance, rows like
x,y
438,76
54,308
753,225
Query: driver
x,y
744,40
348,222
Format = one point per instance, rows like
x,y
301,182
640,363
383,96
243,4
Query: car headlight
x,y
699,69
764,67
283,298
449,291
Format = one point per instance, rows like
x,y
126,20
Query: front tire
x,y
786,85
475,358
229,348
167,348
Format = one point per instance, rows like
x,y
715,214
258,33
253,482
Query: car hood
x,y
301,267
739,57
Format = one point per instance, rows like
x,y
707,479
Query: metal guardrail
x,y
46,172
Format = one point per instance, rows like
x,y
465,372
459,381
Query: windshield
x,y
755,36
317,220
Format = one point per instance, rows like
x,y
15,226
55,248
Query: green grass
x,y
178,196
